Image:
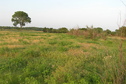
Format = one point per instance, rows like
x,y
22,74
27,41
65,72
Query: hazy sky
x,y
66,13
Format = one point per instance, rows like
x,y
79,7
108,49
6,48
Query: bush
x,y
89,33
122,31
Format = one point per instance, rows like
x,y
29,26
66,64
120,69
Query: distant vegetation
x,y
97,33
46,30
88,32
21,18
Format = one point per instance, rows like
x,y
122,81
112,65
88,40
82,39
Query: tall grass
x,y
50,58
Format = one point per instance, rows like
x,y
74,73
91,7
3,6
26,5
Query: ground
x,y
34,57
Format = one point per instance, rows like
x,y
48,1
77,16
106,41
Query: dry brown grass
x,y
14,46
117,37
88,46
76,52
36,41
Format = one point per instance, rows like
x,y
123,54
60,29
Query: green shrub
x,y
31,53
63,49
65,43
53,42
14,64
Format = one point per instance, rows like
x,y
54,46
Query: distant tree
x,y
20,18
122,31
63,30
50,30
117,32
113,33
98,30
55,31
85,29
107,31
45,29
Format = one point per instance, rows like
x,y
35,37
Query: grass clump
x,y
64,43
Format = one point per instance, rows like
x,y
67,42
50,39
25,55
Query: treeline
x,y
96,33
45,29
88,32
121,31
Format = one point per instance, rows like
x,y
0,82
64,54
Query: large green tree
x,y
20,18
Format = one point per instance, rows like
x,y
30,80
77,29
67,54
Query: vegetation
x,y
61,56
90,32
20,18
33,57
121,31
46,30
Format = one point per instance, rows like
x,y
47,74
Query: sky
x,y
107,14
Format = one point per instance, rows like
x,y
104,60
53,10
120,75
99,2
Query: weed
x,y
74,46
31,53
65,43
62,49
53,42
23,41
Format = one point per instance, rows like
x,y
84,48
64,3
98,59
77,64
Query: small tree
x,y
20,18
98,30
108,32
122,31
63,30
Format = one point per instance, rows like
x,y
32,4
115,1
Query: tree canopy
x,y
20,18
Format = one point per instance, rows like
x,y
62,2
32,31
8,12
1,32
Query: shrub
x,y
31,53
91,33
122,31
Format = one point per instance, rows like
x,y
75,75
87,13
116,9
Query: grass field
x,y
31,57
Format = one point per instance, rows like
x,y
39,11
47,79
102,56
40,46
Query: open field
x,y
33,57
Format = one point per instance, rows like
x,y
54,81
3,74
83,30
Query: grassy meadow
x,y
34,57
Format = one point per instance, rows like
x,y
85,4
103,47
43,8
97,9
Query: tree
x,y
98,30
108,31
63,30
20,18
122,31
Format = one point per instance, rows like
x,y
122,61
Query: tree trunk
x,y
21,25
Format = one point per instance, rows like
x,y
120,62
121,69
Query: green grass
x,y
47,58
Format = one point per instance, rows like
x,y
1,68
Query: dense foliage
x,y
46,30
91,33
88,32
21,18
121,31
